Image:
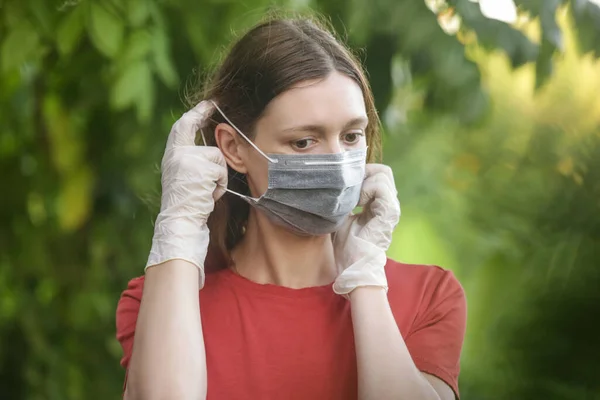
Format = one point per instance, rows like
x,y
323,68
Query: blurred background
x,y
492,119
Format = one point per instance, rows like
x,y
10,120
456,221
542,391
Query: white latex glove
x,y
193,178
360,245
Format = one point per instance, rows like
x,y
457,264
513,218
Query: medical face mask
x,y
309,194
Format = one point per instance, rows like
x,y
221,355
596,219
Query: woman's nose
x,y
334,146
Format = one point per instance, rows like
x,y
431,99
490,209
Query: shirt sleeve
x,y
436,337
126,318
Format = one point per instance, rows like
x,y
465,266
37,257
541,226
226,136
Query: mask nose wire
x,y
240,132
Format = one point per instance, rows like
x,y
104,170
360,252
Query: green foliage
x,y
498,181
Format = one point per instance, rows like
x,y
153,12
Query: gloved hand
x,y
193,178
360,245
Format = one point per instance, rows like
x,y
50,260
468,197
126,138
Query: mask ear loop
x,y
244,136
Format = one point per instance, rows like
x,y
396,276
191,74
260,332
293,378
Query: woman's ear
x,y
232,147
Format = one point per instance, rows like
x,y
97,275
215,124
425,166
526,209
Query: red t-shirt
x,y
271,342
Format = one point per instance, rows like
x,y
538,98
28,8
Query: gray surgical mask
x,y
309,194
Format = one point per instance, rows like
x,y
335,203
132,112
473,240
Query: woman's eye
x,y
353,137
302,143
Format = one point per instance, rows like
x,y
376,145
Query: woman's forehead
x,y
333,101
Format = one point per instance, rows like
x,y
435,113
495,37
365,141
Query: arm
x,y
385,367
168,359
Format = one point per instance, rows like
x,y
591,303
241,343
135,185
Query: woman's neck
x,y
270,254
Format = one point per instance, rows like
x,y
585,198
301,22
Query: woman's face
x,y
325,116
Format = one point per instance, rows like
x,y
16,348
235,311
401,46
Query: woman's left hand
x,y
360,245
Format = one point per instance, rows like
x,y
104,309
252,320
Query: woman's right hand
x,y
193,178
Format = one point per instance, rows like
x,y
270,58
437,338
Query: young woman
x,y
296,299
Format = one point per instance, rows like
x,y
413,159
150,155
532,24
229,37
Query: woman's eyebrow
x,y
362,120
321,129
318,129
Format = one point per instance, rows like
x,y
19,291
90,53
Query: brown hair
x,y
265,62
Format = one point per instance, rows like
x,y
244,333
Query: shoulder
x,y
129,305
425,278
129,301
126,316
401,274
423,288
134,289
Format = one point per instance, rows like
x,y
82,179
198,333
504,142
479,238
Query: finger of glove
x,y
196,164
379,194
382,215
381,169
381,202
183,132
216,156
378,186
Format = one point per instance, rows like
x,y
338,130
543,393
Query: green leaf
x,y
74,200
138,12
495,34
359,20
587,20
550,29
43,16
162,59
138,45
18,46
69,31
134,87
127,86
145,100
105,30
